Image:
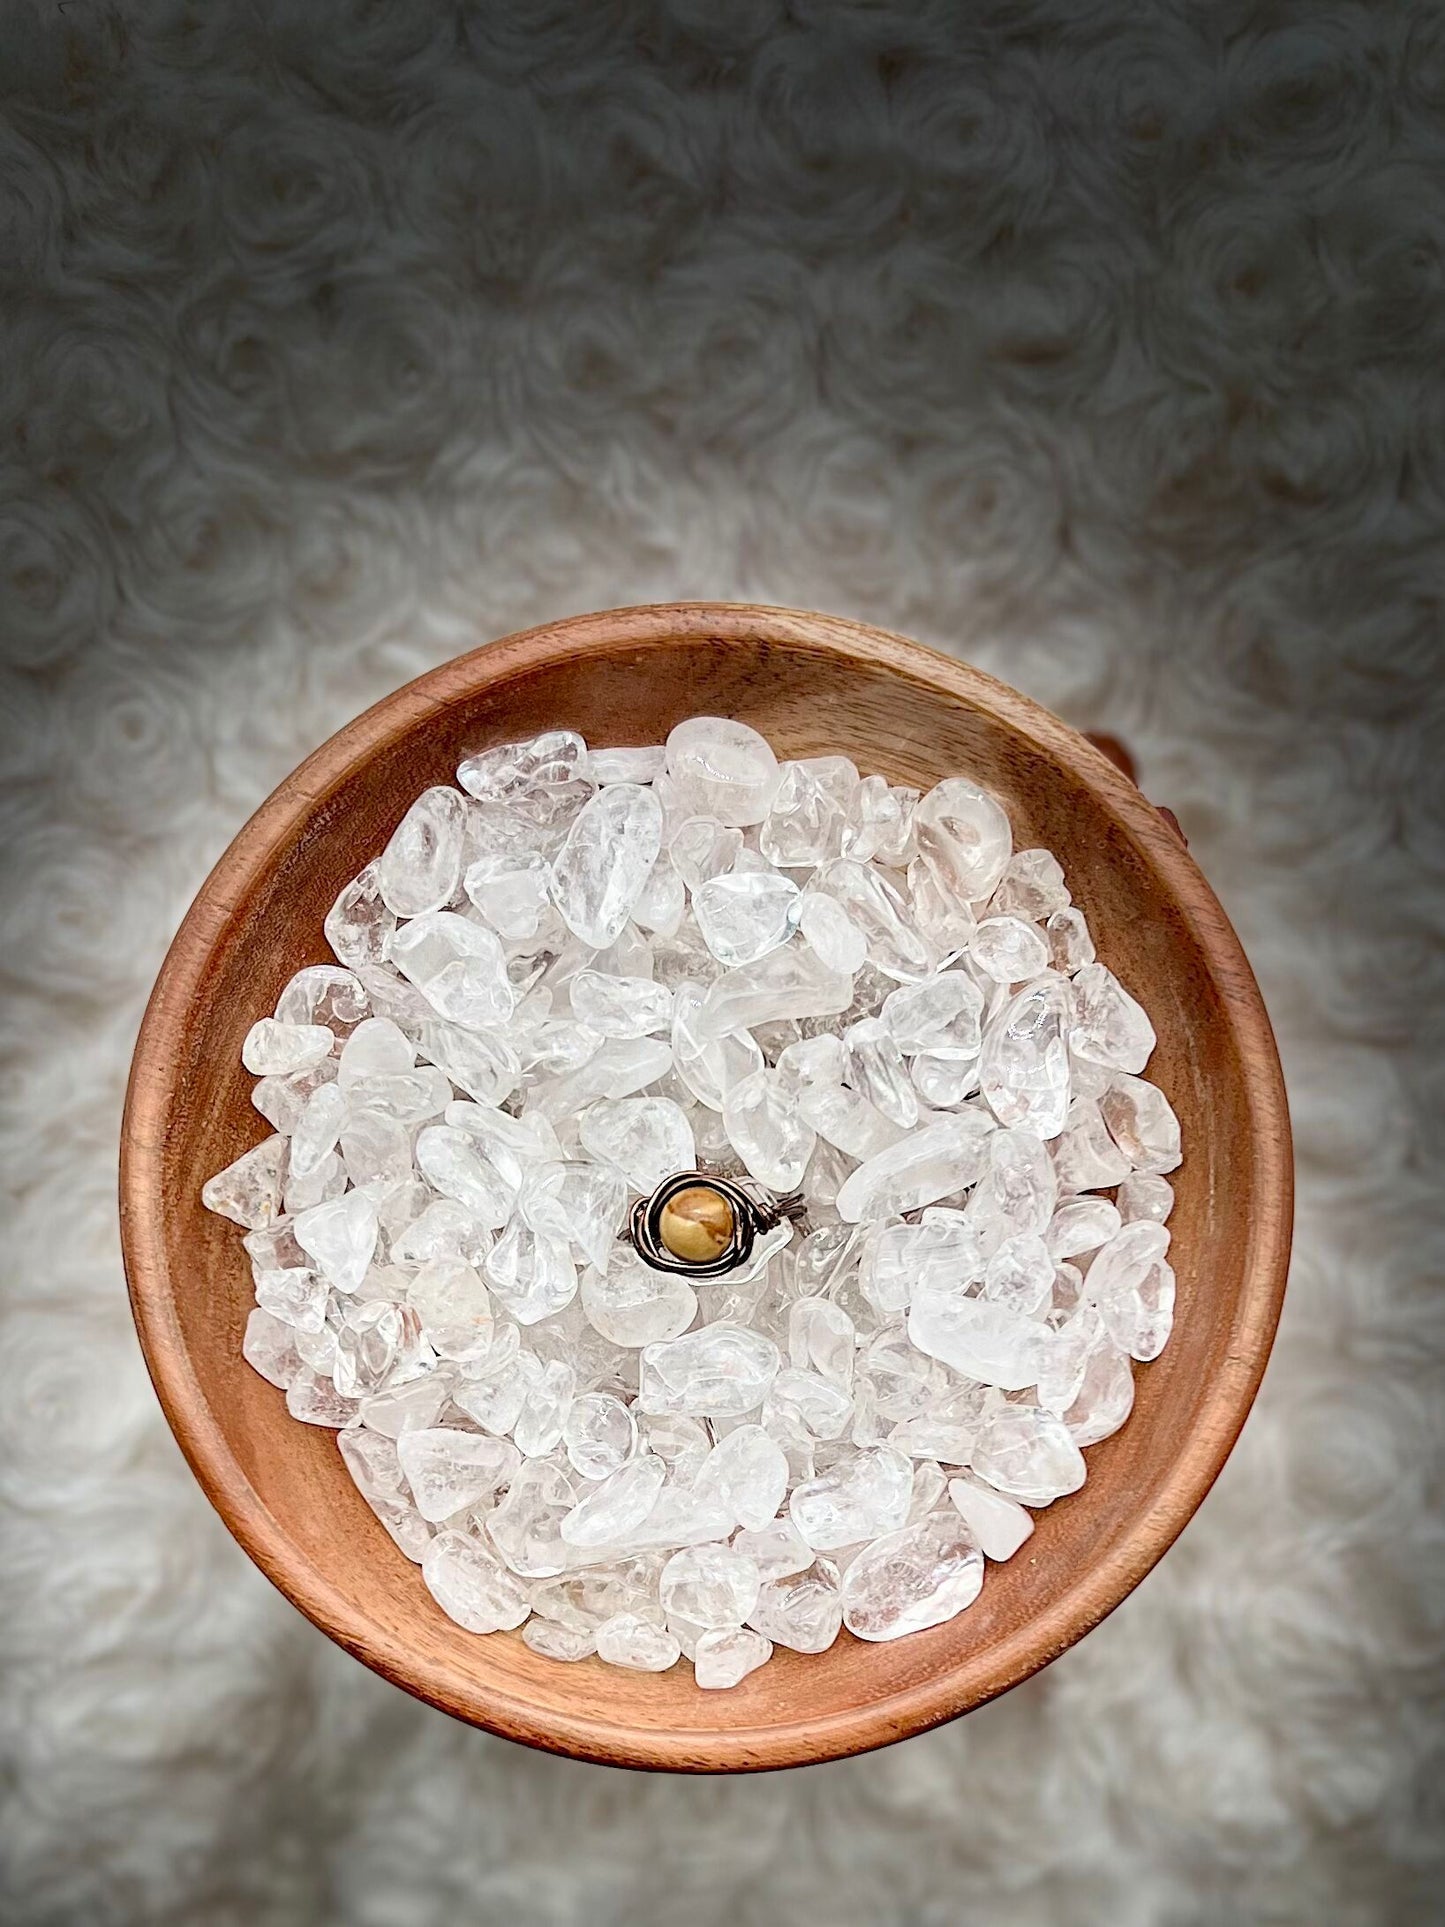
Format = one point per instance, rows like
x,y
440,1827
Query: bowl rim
x,y
579,1734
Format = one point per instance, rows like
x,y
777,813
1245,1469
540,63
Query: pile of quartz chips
x,y
582,971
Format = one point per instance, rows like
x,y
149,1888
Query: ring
x,y
704,1226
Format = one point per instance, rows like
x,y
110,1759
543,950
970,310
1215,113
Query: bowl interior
x,y
813,687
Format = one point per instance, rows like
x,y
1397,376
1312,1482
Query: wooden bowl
x,y
813,684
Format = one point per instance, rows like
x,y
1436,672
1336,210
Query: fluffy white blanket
x,y
1099,343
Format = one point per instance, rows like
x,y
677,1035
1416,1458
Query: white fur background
x,y
1099,342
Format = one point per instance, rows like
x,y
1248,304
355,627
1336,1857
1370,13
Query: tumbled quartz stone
x,y
821,1339
984,1341
963,838
314,1400
880,911
1033,886
482,1064
747,1472
508,771
531,1272
788,982
999,1524
1132,1284
579,1202
724,769
646,1139
1024,1062
600,1434
376,1048
701,848
1085,1156
1028,1454
1109,1027
1080,1225
449,1470
942,1015
317,1130
1104,1399
725,1655
269,1347
454,1164
640,1645
421,866
543,1416
912,1579
710,1585
553,1641
845,1118
831,933
359,924
1008,950
611,1510
511,892
860,1496
324,994
765,1129
875,1068
721,1371
879,822
620,1006
632,1305
494,1392
471,1586
709,1067
1070,946
800,1610
930,1163
443,1230
607,857
1144,1196
458,966
526,1527
901,1259
626,765
248,1192
273,1048
805,826
744,915
340,1237
1142,1123
946,1429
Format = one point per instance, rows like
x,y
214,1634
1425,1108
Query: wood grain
x,y
814,684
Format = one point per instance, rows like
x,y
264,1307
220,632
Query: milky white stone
x,y
928,1164
633,1305
621,1006
645,1138
805,825
831,933
744,915
552,1641
747,1472
248,1192
880,822
1142,1123
1028,1454
640,1645
511,891
376,1048
822,1339
942,1015
875,1068
459,967
600,1434
543,1416
912,1579
1008,950
845,1118
1109,1026
421,866
454,1164
607,857
626,765
963,838
449,1470
723,769
712,1586
800,1610
681,1518
998,1524
274,1048
722,1371
725,1655
860,1496
295,1295
1079,1225
611,1510
470,1586
1024,1062
789,982
877,908
341,1237
531,1272
1020,1275
445,1229
1144,1196
359,924
984,1341
765,1129
481,1063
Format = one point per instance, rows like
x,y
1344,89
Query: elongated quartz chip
x,y
928,1164
422,865
721,1371
599,872
912,1579
723,769
1024,1064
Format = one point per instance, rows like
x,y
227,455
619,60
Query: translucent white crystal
x,y
778,1549
831,933
376,1048
1079,1225
1024,1062
875,1067
765,1129
722,1371
621,1006
552,1641
1105,1396
944,920
376,1472
805,825
912,1579
998,1524
860,1496
272,1048
725,1655
709,1067
632,1305
607,857
790,982
742,916
481,1063
1142,1123
1085,1156
376,1151
701,848
315,1400
269,1347
445,1229
945,1429
459,967
1109,1027
877,908
610,1511
1144,1196
724,769
640,1645
1008,950
1020,1275
340,1237
963,838
880,822
248,1192
411,1407
800,1610
982,1340
471,1586
324,994
510,891
449,1470
747,1472
1033,886
681,1518
454,1164
600,1434
645,1138
1132,1284
613,1070
543,1416
662,902
494,1392
713,1586
898,1259
531,1272
928,1164
1016,1190
822,1338
626,765
296,1295
1028,1454
421,866
583,1204
359,924
378,1343
805,1403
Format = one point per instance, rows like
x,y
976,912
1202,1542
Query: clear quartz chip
x,y
930,1163
621,1006
610,1511
875,1068
765,1129
878,908
861,1496
964,839
511,771
448,1470
453,1163
710,1585
600,1434
721,1371
723,769
641,765
1144,1196
646,1139
324,994
1142,1123
1008,950
632,1305
1109,1027
942,1015
421,866
981,1340
880,823
709,1066
276,1049
725,1655
999,1524
1024,1063
830,933
789,982
744,915
359,924
606,859
248,1192
747,1472
640,1645
458,966
1033,886
510,892
340,1237
471,1586
1070,946
1027,1453
909,1580
805,826
801,1610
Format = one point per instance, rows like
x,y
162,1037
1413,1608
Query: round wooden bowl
x,y
814,685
